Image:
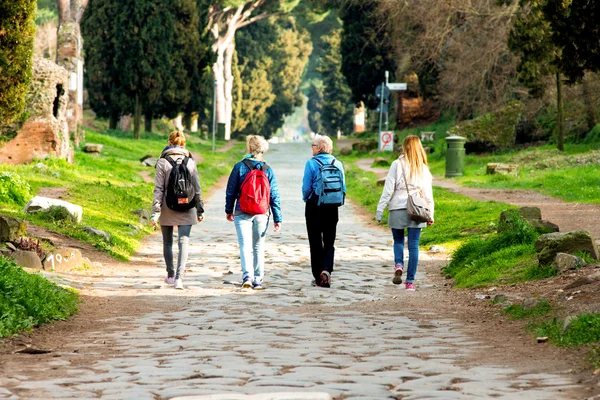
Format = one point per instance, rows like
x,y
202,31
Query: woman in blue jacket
x,y
321,220
252,228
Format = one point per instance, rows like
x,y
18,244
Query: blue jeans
x,y
183,234
414,236
252,231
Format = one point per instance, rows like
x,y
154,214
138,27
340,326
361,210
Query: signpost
x,y
383,92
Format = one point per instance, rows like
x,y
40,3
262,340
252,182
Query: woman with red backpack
x,y
251,198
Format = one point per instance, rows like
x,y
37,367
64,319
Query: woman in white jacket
x,y
411,164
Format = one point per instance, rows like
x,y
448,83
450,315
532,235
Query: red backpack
x,y
255,192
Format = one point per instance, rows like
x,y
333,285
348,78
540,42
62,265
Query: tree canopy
x,y
17,30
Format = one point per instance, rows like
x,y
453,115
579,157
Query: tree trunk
x,y
187,121
218,73
148,122
559,113
113,119
228,60
137,117
590,105
64,10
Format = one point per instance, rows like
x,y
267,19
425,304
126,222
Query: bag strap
x,y
321,163
170,161
404,176
251,166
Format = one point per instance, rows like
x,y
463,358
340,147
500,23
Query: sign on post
x,y
386,141
397,86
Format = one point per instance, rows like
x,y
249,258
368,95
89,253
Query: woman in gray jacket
x,y
410,167
168,218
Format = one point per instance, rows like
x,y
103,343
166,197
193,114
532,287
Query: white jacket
x,y
394,194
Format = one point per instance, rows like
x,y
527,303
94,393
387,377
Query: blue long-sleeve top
x,y
236,178
309,182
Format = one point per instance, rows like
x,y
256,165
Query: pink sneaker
x,y
397,274
410,287
170,280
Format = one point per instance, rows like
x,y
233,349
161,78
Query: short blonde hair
x,y
177,138
256,145
323,144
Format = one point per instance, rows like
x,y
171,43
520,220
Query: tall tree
x,y
225,18
337,96
315,107
367,50
143,61
17,30
281,63
531,40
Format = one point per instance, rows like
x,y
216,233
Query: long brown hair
x,y
415,156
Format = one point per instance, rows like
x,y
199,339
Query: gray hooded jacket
x,y
169,217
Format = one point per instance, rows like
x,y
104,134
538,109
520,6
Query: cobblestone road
x,y
290,337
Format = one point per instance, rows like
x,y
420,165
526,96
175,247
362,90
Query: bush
x,y
593,136
28,300
17,27
13,189
492,131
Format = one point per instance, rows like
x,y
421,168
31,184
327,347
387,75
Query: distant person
x,y
412,164
252,197
171,209
323,191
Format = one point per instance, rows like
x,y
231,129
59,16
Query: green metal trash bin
x,y
455,156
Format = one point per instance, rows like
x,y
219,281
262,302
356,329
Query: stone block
x,y
565,262
150,162
11,229
550,244
97,232
502,169
44,203
64,260
93,148
27,259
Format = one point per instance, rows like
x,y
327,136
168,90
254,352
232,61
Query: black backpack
x,y
181,195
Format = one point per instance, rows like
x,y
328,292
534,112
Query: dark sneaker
x,y
325,279
257,286
247,283
314,283
397,275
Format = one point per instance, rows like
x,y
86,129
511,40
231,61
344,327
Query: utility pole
x,y
214,127
387,113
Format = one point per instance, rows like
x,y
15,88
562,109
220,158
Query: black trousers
x,y
321,224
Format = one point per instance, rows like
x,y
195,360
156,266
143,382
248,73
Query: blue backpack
x,y
330,184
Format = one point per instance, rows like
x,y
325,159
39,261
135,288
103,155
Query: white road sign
x,y
386,141
397,86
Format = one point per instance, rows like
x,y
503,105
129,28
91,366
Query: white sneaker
x,y
170,280
179,283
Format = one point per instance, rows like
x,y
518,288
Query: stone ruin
x,y
45,132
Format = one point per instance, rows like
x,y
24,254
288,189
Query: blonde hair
x,y
323,143
256,145
177,138
415,156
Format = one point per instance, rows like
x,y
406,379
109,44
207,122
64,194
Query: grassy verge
x,y
28,300
109,187
576,331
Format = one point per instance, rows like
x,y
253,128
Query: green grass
x,y
543,308
109,187
584,329
28,300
